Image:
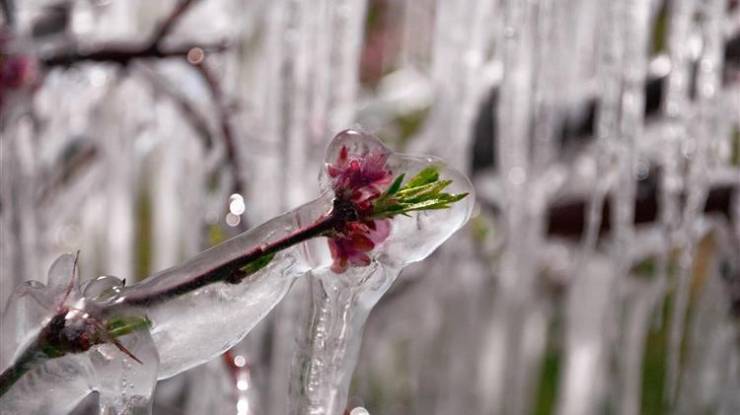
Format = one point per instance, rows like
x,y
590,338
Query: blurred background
x,y
600,273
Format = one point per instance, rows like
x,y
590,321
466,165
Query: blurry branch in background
x,y
79,156
197,120
170,22
195,54
123,54
223,111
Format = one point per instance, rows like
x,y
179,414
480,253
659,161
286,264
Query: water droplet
x,y
103,288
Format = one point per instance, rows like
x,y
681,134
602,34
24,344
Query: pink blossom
x,y
360,180
352,245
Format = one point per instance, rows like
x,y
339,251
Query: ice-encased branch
x,y
341,299
195,315
200,309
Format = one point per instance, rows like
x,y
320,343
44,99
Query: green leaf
x,y
456,198
426,175
395,186
119,326
256,265
421,192
425,191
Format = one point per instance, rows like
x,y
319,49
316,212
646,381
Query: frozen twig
x,y
169,23
199,309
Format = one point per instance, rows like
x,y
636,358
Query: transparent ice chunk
x,y
340,302
203,307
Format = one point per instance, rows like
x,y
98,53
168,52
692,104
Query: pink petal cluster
x,y
16,71
360,180
352,245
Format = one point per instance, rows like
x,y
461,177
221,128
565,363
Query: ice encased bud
x,y
194,326
340,303
55,386
416,236
31,305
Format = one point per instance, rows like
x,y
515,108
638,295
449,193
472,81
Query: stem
x,y
230,272
25,362
170,21
123,54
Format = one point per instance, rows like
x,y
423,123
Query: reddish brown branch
x,y
232,271
170,22
227,131
124,54
196,119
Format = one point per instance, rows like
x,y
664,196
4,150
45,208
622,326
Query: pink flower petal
x,y
381,232
359,260
361,243
339,265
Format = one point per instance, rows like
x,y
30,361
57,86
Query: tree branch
x,y
227,131
170,22
123,54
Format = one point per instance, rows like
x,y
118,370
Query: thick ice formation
x,y
339,303
55,386
193,322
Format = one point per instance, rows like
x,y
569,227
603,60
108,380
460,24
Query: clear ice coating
x,y
55,386
339,303
194,326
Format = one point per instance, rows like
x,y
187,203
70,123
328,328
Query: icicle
x,y
327,353
583,380
701,137
460,50
643,300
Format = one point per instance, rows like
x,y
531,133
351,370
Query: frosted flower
x,y
360,181
351,246
366,200
365,183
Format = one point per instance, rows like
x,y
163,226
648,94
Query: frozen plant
x,y
342,295
62,341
